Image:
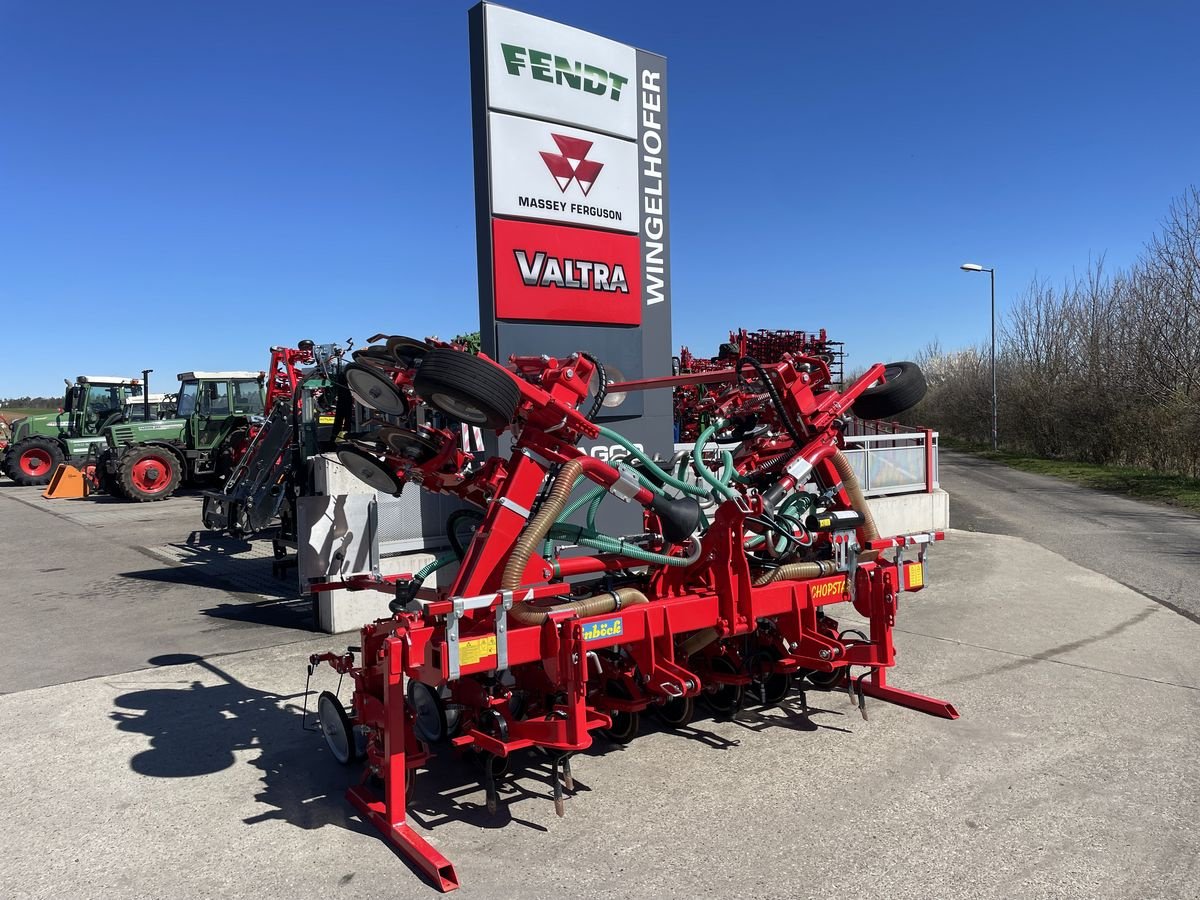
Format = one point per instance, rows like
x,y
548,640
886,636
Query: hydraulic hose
x,y
719,485
577,534
596,605
652,467
858,502
797,571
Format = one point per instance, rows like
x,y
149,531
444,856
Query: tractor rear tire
x,y
150,473
467,388
33,461
903,389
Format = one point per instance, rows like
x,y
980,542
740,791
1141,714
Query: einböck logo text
x,y
609,628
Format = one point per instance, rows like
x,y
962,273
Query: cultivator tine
x,y
560,808
568,778
489,784
862,699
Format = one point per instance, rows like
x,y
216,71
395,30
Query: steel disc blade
x,y
406,351
374,390
367,469
408,444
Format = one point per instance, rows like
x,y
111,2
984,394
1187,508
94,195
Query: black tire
x,y
467,388
772,688
902,389
677,712
374,389
336,728
150,473
32,461
369,470
110,483
726,700
625,725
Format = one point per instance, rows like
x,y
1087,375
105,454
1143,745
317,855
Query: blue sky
x,y
184,184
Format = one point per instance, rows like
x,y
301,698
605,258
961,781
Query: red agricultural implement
x,y
553,631
691,401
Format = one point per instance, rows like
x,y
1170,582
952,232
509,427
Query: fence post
x,y
929,460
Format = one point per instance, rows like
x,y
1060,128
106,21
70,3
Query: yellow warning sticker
x,y
472,652
916,575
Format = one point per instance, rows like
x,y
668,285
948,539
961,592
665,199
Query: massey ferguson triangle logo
x,y
571,163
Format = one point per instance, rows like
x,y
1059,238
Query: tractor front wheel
x,y
33,461
149,473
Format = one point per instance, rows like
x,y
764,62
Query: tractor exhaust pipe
x,y
146,394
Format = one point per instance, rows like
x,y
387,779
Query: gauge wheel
x,y
429,713
337,729
369,470
467,388
150,473
406,351
725,699
824,679
375,390
678,711
773,687
902,388
408,444
625,725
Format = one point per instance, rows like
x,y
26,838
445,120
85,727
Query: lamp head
x,y
971,267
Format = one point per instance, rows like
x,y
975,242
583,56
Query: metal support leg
x,y
388,814
877,687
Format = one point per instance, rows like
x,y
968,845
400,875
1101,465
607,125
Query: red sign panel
x,y
556,273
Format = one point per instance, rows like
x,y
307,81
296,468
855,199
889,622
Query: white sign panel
x,y
541,68
560,174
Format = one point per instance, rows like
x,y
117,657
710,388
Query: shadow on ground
x,y
200,729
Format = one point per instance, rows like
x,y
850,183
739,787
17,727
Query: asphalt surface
x,y
1155,550
134,769
88,592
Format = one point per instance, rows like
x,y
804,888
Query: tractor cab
x,y
216,404
94,402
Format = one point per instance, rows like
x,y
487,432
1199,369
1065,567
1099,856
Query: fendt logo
x,y
571,163
559,70
544,270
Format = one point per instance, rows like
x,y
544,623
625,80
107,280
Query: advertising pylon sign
x,y
572,219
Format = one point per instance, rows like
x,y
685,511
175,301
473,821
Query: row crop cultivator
x,y
553,631
691,401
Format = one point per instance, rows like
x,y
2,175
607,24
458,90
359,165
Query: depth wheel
x,y
336,726
467,388
369,469
677,712
726,699
375,390
772,687
150,473
625,725
32,462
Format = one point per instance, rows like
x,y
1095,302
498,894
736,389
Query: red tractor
x,y
552,631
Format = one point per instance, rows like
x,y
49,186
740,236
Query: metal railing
x,y
897,463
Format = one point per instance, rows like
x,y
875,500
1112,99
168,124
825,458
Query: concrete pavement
x,y
1153,549
1073,772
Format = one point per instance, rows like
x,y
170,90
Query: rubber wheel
x,y
336,726
375,390
429,713
727,698
772,687
406,351
625,725
33,461
824,679
677,712
369,469
467,388
149,473
903,387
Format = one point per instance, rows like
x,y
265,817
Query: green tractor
x,y
39,444
148,460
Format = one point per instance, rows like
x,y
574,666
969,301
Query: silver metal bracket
x,y
627,486
514,506
459,608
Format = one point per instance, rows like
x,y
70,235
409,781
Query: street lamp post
x,y
972,267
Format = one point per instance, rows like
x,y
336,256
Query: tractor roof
x,y
151,398
105,379
218,376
